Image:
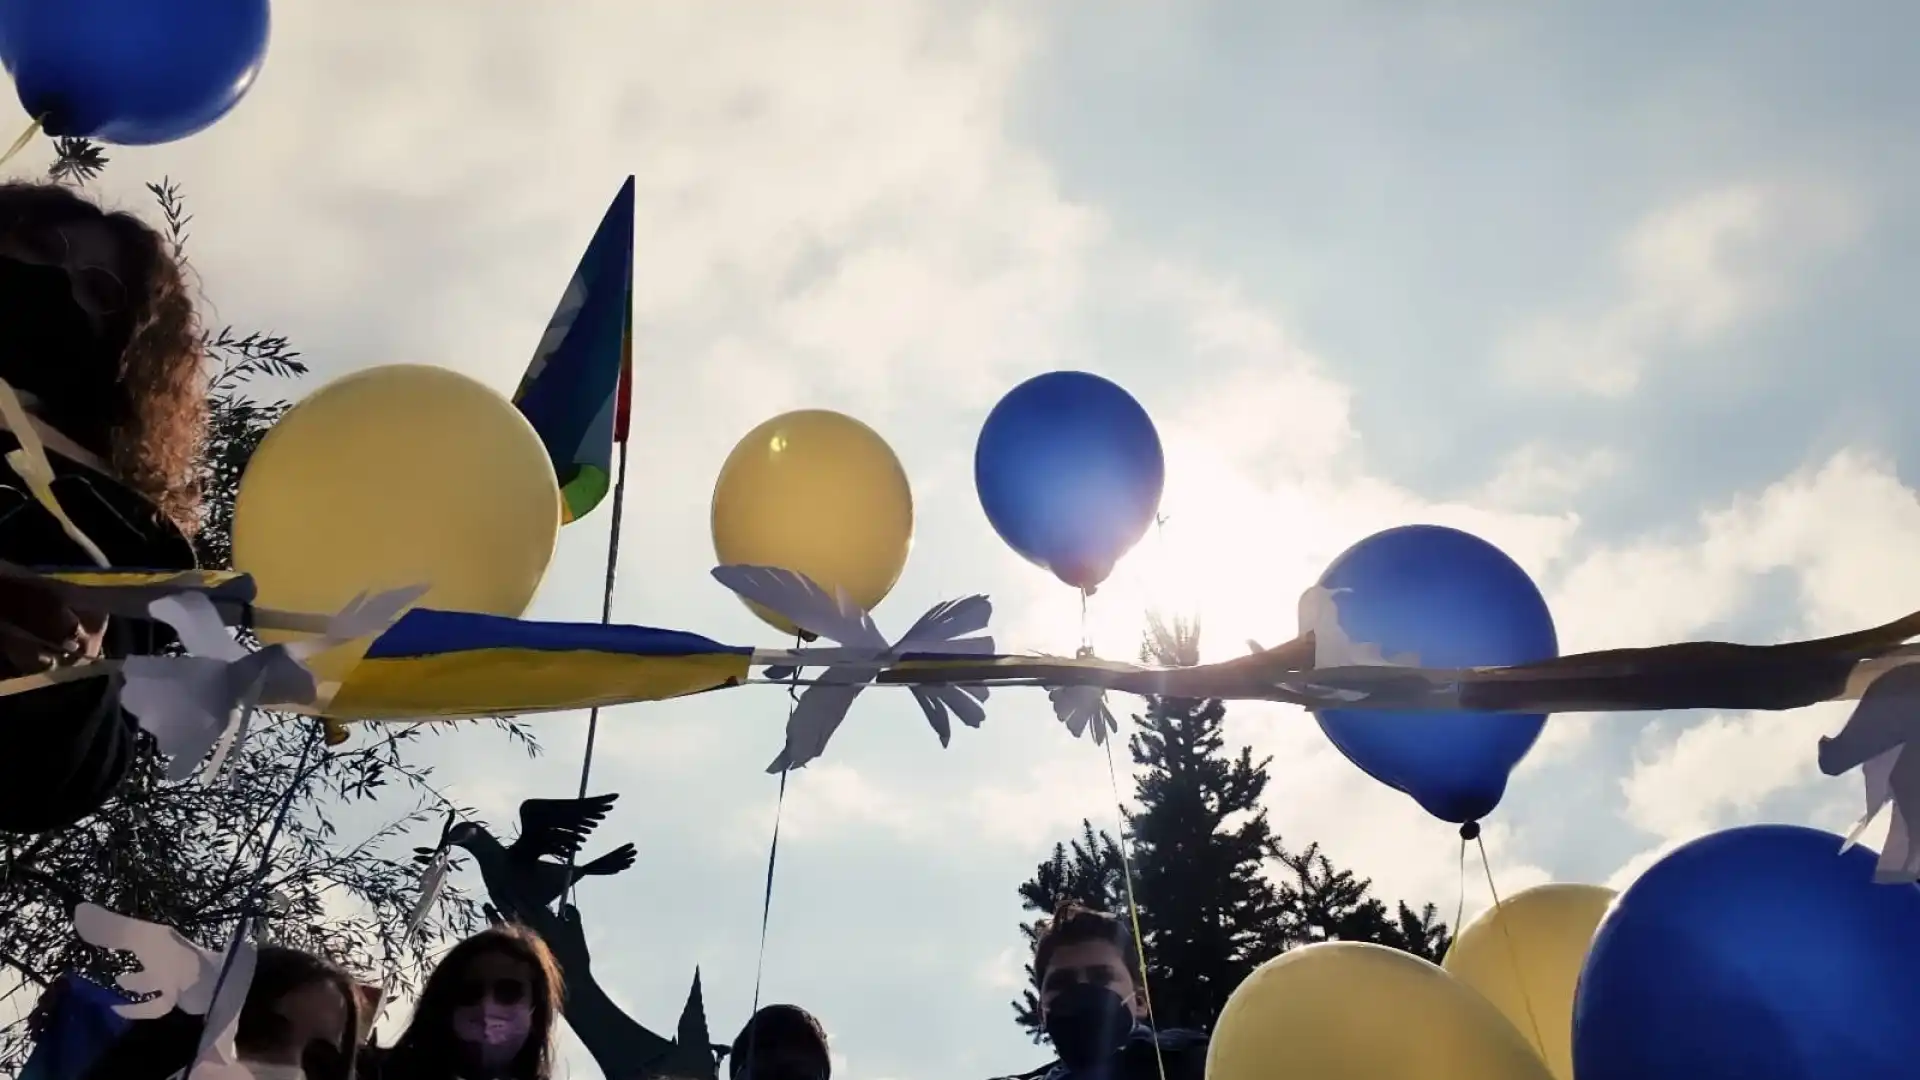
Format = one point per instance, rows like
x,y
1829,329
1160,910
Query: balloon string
x,y
1133,909
1513,953
1460,909
1086,638
26,137
766,897
251,899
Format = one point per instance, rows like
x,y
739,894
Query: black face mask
x,y
1088,1024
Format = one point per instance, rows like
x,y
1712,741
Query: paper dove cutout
x,y
1877,739
180,975
1082,708
1332,648
864,651
191,703
432,881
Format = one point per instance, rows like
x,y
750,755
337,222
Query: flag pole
x,y
606,600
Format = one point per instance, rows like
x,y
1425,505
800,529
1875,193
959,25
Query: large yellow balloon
x,y
1350,1011
391,477
818,493
1527,954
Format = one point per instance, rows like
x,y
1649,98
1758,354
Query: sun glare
x,y
1230,552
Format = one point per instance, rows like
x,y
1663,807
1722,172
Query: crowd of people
x,y
104,389
492,1007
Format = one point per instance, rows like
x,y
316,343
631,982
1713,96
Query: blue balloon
x,y
1453,600
1069,471
134,72
1758,953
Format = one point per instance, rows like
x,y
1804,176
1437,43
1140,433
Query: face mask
x,y
494,1032
268,1070
1088,1024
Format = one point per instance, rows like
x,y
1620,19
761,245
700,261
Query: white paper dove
x,y
432,881
1332,647
1083,709
180,975
199,704
1877,739
864,652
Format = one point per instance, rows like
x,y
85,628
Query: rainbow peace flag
x,y
577,390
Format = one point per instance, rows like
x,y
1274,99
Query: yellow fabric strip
x,y
30,463
508,682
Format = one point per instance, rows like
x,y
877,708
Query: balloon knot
x,y
1470,831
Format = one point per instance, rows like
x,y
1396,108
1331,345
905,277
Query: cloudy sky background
x,y
1620,287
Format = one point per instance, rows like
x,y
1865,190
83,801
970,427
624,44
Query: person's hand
x,y
39,632
563,935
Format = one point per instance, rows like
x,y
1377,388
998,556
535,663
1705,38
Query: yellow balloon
x,y
397,476
821,494
1525,957
1351,1011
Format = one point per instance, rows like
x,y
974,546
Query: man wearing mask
x,y
1095,1011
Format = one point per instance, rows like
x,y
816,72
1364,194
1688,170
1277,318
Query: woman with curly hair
x,y
488,1012
100,344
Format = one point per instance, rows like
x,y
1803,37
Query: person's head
x,y
1084,966
488,1011
780,1042
297,1022
301,1017
98,329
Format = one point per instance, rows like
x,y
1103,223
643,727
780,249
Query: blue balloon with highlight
x,y
1757,953
1070,471
1452,600
133,72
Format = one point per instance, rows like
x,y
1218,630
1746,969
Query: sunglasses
x,y
501,991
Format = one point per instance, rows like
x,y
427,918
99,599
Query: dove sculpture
x,y
536,869
948,628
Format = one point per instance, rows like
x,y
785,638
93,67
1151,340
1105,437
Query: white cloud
x,y
1538,476
1720,771
1690,274
1005,971
1842,528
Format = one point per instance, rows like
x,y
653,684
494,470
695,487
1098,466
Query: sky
x,y
1612,285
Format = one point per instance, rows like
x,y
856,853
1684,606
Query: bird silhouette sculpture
x,y
537,868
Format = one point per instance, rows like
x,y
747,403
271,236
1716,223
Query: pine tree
x,y
1089,873
1325,903
1200,844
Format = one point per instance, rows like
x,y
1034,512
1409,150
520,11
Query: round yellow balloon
x,y
821,494
1525,957
397,476
1351,1011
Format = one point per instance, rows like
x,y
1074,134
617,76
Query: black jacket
x,y
65,749
1183,1052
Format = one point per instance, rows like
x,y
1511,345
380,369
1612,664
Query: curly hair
x,y
133,389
